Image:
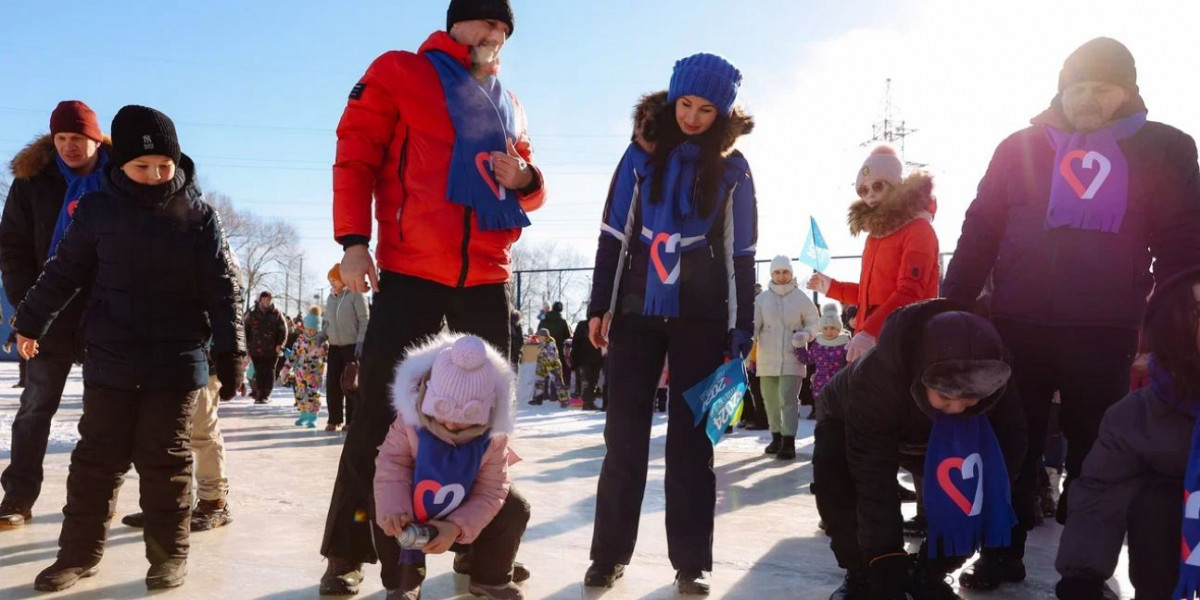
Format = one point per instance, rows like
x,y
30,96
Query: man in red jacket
x,y
442,148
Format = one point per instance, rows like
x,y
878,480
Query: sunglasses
x,y
877,186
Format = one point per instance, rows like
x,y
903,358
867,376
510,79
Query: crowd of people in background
x,y
1055,286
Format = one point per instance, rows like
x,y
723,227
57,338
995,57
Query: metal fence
x,y
532,289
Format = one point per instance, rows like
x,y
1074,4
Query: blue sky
x,y
256,88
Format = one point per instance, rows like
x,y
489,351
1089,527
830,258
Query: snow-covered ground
x,y
767,541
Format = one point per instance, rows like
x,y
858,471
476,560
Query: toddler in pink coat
x,y
445,463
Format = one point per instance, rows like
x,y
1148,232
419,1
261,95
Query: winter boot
x,y
991,570
787,448
300,420
776,442
13,515
932,585
136,519
63,574
164,575
916,527
603,574
210,514
691,582
341,578
462,566
311,421
508,591
856,586
411,578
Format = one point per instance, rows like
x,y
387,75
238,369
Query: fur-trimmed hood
x,y
414,370
647,109
913,199
39,155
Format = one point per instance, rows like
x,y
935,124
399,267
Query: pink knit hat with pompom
x,y
881,165
462,386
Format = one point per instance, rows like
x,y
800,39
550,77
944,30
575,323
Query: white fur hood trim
x,y
417,365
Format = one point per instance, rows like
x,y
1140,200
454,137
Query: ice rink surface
x,y
767,542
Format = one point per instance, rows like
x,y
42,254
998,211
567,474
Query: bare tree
x,y
543,271
266,248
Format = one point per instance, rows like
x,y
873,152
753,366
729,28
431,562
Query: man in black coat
x,y
557,326
266,337
876,416
32,212
587,360
1067,221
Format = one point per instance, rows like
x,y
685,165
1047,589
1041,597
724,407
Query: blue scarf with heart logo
x,y
967,500
484,121
1089,188
668,226
1188,585
442,479
77,187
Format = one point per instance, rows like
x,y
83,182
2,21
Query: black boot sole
x,y
968,581
48,586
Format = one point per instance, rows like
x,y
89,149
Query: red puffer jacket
x,y
394,143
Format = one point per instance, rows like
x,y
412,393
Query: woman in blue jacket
x,y
674,278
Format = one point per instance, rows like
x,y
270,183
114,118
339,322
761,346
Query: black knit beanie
x,y
142,131
1102,59
962,356
467,10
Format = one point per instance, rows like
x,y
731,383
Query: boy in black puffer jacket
x,y
933,397
164,286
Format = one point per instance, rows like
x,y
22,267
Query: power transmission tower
x,y
891,130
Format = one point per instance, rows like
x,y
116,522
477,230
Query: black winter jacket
x,y
266,330
1068,277
583,353
886,416
165,286
30,214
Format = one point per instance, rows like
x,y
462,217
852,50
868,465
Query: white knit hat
x,y
781,262
462,386
881,165
831,316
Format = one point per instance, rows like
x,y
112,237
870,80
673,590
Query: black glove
x,y
230,373
1071,588
740,343
890,577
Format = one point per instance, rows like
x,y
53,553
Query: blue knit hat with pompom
x,y
709,76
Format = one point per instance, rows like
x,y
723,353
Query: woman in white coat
x,y
784,318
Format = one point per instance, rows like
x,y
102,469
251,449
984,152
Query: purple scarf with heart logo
x,y
442,479
1188,585
484,121
967,500
1089,188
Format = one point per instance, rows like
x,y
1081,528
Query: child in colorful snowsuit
x,y
308,367
549,372
827,353
455,415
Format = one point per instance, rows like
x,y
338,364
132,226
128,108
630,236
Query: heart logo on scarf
x,y
451,496
1089,160
671,244
1191,510
483,162
71,208
971,468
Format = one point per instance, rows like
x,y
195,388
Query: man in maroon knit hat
x,y
49,177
